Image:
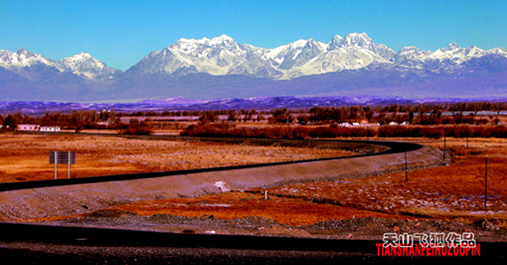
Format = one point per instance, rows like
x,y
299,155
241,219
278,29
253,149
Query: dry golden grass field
x,y
25,157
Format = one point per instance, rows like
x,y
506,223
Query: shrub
x,y
138,128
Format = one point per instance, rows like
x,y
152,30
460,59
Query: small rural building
x,y
103,123
28,127
49,129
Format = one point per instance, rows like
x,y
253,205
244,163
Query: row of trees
x,y
77,120
302,132
323,115
422,114
71,119
90,119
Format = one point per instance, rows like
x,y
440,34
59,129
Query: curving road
x,y
30,244
392,148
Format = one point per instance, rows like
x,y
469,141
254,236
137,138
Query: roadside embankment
x,y
23,204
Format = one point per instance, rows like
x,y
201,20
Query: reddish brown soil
x,y
235,205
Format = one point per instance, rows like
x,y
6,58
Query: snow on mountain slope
x,y
445,60
223,56
84,65
23,60
452,52
355,51
87,67
208,68
295,53
358,41
217,56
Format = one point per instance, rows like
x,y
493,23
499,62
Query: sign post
x,y
443,156
62,157
68,165
56,159
486,184
406,167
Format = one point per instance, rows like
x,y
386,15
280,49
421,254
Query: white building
x,y
49,129
28,127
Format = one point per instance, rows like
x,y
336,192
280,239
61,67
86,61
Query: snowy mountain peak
x,y
218,56
182,43
78,58
202,47
83,55
22,58
343,65
409,49
335,43
358,39
361,45
22,51
224,56
452,46
411,53
452,55
87,67
352,40
221,40
298,44
23,54
313,43
189,44
83,65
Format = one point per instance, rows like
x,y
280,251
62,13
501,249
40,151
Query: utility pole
x,y
56,162
443,156
406,167
486,185
68,164
288,125
467,136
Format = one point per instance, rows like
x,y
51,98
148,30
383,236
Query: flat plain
x,y
444,198
25,157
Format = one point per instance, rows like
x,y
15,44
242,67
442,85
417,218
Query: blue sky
x,y
120,33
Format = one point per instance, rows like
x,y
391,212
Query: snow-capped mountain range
x,y
221,67
224,56
83,65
